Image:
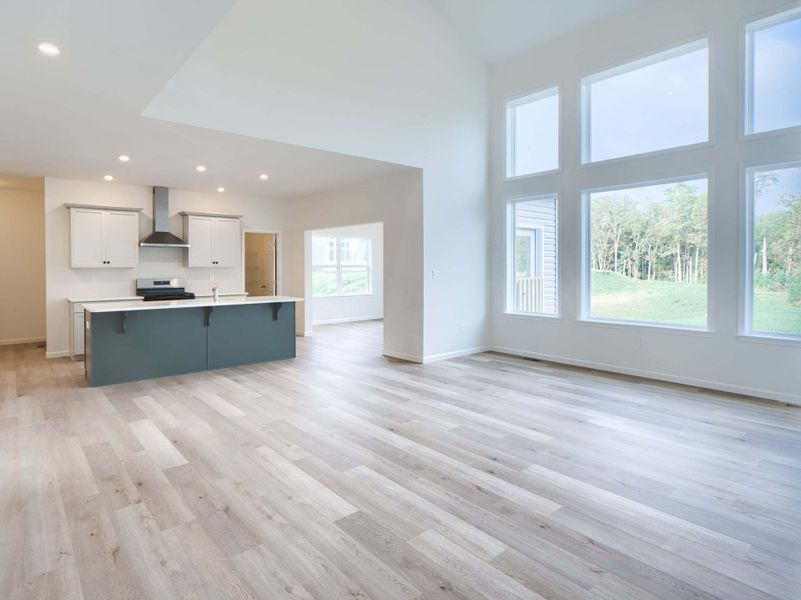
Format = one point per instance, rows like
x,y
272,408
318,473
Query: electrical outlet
x,y
461,327
433,273
642,343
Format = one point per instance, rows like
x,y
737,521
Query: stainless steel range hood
x,y
161,235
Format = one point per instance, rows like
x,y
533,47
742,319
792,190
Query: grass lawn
x,y
774,313
618,297
324,283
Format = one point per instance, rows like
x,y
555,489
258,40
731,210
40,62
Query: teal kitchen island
x,y
129,341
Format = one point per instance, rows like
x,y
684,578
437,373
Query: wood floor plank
x,y
345,474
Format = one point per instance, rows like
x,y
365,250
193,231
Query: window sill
x,y
770,339
771,133
646,155
523,315
660,327
342,296
533,175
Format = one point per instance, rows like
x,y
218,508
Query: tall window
x,y
656,103
340,265
533,277
532,133
647,253
773,61
774,259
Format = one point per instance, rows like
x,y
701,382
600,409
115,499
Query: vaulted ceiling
x,y
72,115
498,29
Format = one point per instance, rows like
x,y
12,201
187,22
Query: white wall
x,y
63,282
22,267
394,201
361,307
383,80
719,358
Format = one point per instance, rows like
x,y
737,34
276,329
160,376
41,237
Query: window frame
x,y
746,266
747,31
509,267
585,270
585,99
509,115
339,266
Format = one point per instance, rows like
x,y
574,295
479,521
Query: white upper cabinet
x,y
103,237
214,240
226,240
122,239
199,232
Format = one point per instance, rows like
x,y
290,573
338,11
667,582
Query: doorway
x,y
261,264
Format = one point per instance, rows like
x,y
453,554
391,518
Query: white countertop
x,y
139,298
104,307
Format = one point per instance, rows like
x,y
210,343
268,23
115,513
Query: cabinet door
x,y
227,239
77,333
122,239
200,241
86,238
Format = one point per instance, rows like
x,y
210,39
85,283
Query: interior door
x,y
268,251
226,238
122,239
260,264
87,238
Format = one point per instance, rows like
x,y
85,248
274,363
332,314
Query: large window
x,y
532,133
773,62
533,277
340,265
652,104
774,257
647,255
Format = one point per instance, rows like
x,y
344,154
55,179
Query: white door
x,y
86,237
200,241
122,239
227,237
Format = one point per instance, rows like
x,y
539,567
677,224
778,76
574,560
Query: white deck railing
x,y
529,294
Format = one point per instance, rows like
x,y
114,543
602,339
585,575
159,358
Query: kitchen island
x,y
132,340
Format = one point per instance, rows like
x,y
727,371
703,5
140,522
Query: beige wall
x,y
22,267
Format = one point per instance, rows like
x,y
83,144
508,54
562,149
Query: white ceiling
x,y
72,115
497,29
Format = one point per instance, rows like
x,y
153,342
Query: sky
x,y
651,194
789,183
777,76
666,104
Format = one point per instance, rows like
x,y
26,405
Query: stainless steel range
x,y
162,289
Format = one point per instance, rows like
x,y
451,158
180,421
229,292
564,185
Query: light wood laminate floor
x,y
342,474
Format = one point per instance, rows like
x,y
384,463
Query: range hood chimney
x,y
161,235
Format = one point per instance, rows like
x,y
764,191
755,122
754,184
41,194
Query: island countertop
x,y
134,305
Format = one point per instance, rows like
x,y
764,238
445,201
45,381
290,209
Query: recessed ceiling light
x,y
49,49
221,189
108,177
124,158
264,177
200,169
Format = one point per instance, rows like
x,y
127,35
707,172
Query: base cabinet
x,y
143,344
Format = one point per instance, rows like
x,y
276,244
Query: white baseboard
x,y
347,320
57,354
657,375
14,342
302,333
454,354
